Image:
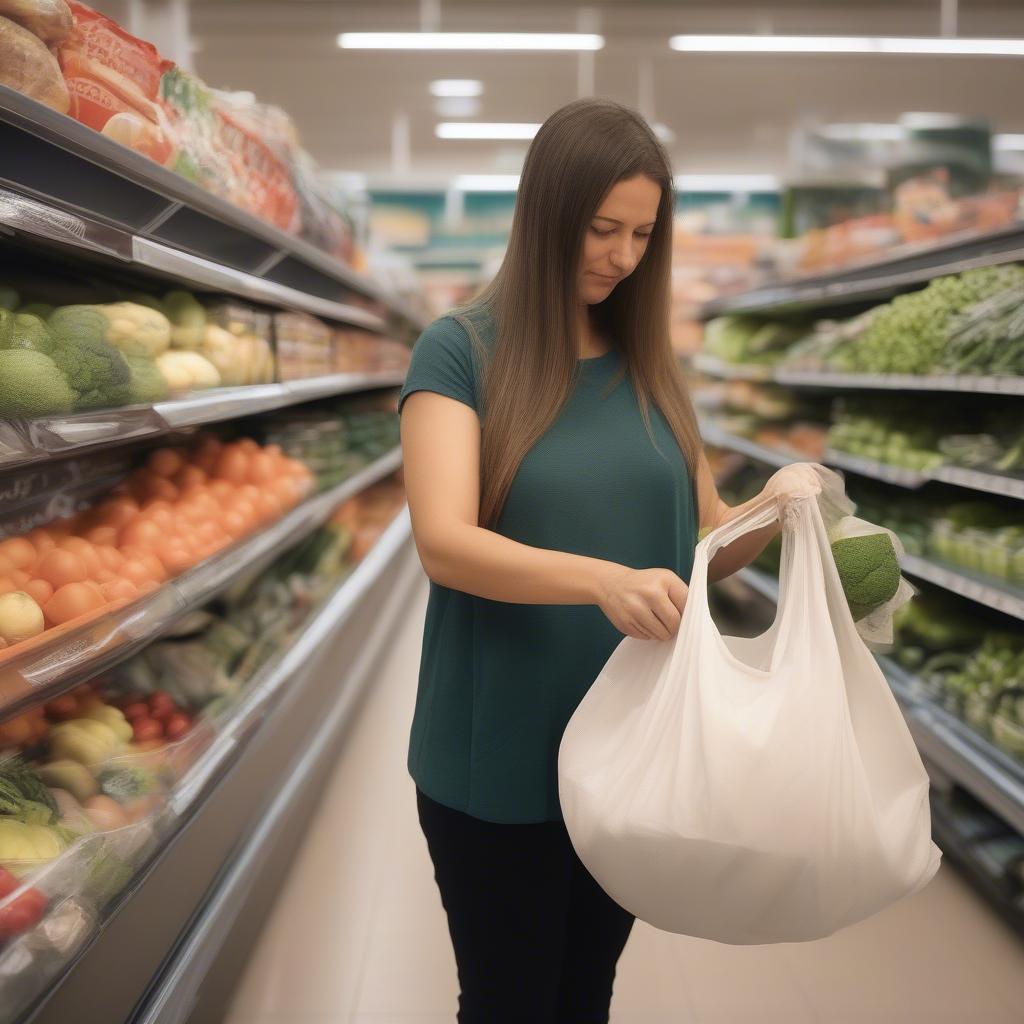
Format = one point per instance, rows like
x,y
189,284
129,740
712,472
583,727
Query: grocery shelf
x,y
715,435
979,480
899,475
268,684
966,756
982,589
984,385
78,653
715,367
48,437
900,269
74,170
217,868
87,238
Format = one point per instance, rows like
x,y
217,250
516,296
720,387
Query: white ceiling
x,y
728,113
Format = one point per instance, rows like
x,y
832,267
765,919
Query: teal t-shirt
x,y
498,681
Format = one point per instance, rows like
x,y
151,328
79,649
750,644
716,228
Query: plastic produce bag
x,y
750,790
837,515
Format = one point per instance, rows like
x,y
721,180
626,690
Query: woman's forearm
x,y
743,550
486,564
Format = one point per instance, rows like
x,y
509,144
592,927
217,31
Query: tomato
x,y
8,883
21,913
177,725
63,707
135,710
161,704
144,729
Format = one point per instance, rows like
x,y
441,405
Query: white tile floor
x,y
358,935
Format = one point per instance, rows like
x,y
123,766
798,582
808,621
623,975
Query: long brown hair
x,y
578,155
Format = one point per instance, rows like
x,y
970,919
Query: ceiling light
x,y
470,41
456,106
484,130
486,182
847,44
457,88
863,132
726,183
1008,143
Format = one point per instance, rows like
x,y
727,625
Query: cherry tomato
x,y
160,704
137,709
144,729
177,725
21,913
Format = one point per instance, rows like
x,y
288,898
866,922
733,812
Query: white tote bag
x,y
750,790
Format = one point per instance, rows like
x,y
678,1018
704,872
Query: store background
x,y
277,873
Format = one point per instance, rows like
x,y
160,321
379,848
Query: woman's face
x,y
617,237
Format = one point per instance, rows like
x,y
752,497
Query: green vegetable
x,y
188,317
23,791
8,298
148,384
131,328
868,570
43,310
126,784
32,385
150,301
92,366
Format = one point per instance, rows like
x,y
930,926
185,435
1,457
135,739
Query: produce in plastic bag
x,y
27,66
750,790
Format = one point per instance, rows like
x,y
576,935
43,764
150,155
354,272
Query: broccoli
x,y
868,570
148,384
32,385
39,309
93,367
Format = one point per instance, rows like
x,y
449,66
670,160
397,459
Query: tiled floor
x,y
359,936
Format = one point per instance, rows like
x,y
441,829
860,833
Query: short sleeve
x,y
442,361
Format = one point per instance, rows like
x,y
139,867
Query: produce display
x,y
874,430
308,347
58,359
737,338
79,62
85,779
182,506
336,439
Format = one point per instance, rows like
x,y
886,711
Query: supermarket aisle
x,y
358,936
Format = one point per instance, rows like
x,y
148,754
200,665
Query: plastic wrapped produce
x,y
304,346
113,79
237,340
27,66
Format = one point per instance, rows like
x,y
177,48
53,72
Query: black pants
x,y
536,939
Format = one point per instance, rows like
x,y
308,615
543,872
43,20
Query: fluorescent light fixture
x,y
726,183
470,41
484,130
863,132
1009,143
847,44
457,88
456,106
486,182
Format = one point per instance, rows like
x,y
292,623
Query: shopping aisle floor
x,y
358,935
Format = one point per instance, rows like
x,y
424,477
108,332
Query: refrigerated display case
x,y
928,434
143,884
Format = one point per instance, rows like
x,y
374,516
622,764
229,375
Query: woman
x,y
550,527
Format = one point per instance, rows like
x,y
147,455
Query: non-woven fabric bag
x,y
750,790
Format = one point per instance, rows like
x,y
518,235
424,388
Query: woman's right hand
x,y
643,603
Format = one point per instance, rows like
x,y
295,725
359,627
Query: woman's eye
x,y
602,234
643,234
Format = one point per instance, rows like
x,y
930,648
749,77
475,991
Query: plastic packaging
x,y
303,345
750,790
